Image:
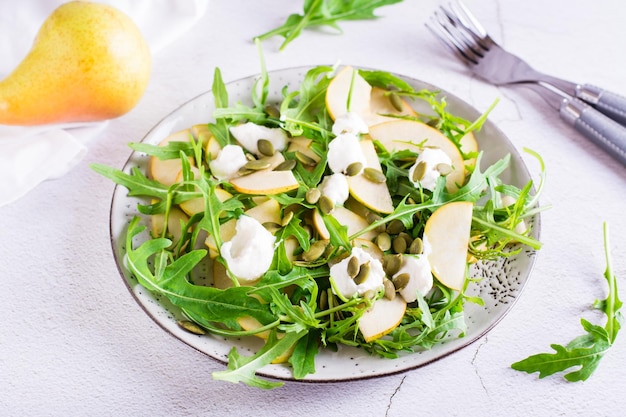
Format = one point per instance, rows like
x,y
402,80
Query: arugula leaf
x,y
584,351
325,13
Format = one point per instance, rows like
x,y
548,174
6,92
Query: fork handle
x,y
611,104
595,126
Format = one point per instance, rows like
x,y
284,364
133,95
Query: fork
x,y
596,113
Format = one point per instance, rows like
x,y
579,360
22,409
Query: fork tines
x,y
461,32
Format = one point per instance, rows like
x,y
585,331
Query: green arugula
x,y
318,13
586,351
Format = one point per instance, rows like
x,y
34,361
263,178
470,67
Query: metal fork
x,y
603,123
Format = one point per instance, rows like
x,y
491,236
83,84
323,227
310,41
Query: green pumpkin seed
x,y
374,175
392,264
416,247
305,159
401,281
434,122
407,238
271,227
399,245
353,267
354,169
287,218
272,111
444,169
250,157
265,147
323,304
286,165
315,251
257,165
390,289
363,274
312,195
383,241
191,327
243,171
396,101
419,172
326,205
395,226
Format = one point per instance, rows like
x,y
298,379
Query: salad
x,y
339,216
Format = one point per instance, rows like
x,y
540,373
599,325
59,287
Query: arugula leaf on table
x,y
586,351
318,13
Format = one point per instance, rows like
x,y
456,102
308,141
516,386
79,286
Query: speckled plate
x,y
501,284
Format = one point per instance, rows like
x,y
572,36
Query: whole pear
x,y
88,62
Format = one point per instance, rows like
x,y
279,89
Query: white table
x,y
73,342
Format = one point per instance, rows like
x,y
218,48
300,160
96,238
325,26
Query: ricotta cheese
x,y
228,162
349,122
336,188
431,157
344,150
421,277
248,135
344,286
250,252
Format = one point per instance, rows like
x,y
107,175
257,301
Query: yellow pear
x,y
88,62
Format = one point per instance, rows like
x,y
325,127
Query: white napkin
x,y
30,155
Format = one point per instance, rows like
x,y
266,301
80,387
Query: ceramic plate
x,y
501,284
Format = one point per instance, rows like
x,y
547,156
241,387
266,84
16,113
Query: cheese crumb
x,y
336,188
344,150
432,158
343,285
228,162
248,135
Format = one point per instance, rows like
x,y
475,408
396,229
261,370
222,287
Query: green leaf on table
x,y
584,352
318,13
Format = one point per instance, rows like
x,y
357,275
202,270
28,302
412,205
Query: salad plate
x,y
499,285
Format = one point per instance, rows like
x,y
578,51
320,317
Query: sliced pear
x,y
380,106
346,86
369,247
166,171
408,134
372,195
345,217
174,229
212,148
265,183
303,145
221,280
196,205
382,317
250,323
447,231
469,144
201,133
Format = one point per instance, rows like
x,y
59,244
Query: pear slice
x,y
382,317
266,182
303,145
372,195
380,106
399,135
345,217
447,231
174,230
196,205
346,86
165,171
469,144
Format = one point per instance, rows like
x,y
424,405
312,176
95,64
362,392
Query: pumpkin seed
x,y
401,281
419,172
399,245
407,238
250,157
271,227
243,171
416,247
265,147
312,195
354,169
392,264
374,175
396,102
286,165
257,165
353,267
315,251
191,327
395,226
305,159
272,111
326,204
323,304
287,218
390,289
363,274
434,122
444,169
383,241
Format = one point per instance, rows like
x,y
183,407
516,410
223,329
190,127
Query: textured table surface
x,y
73,342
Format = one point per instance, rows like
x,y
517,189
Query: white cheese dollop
x,y
344,285
250,252
349,122
343,151
248,135
418,268
336,188
228,162
431,157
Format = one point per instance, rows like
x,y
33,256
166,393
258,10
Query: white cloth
x,y
30,155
